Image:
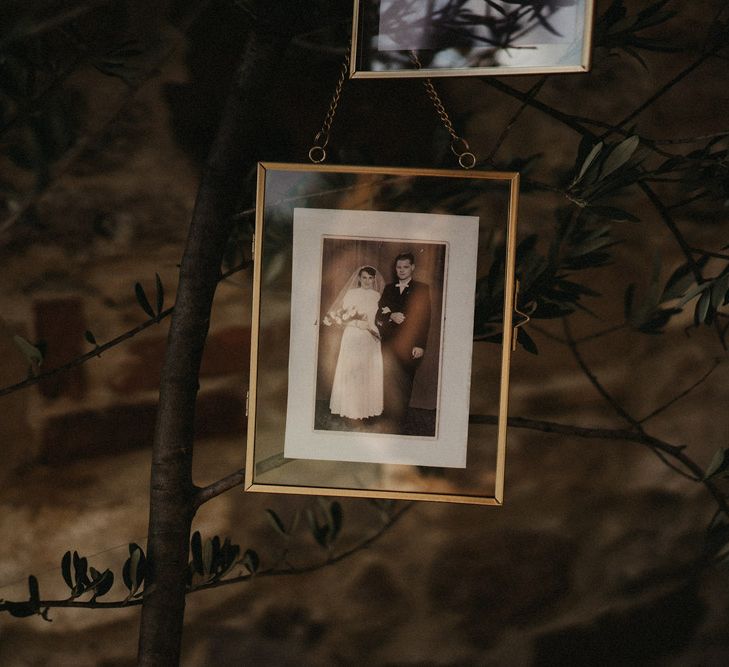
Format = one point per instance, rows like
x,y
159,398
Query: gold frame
x,y
511,180
587,35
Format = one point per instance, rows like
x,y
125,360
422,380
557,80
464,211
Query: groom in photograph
x,y
403,319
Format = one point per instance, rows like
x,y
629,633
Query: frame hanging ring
x,y
317,154
461,149
467,160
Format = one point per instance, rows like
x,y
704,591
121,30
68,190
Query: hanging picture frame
x,y
430,38
370,285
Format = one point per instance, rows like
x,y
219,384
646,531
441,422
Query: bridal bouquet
x,y
344,316
341,316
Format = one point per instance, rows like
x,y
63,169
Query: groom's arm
x,y
419,317
384,309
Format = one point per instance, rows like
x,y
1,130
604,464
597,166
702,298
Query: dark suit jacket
x,y
414,303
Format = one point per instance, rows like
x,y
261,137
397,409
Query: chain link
x,y
459,146
440,109
317,152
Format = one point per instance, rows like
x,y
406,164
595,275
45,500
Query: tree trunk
x,y
171,488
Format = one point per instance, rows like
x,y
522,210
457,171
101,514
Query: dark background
x,y
597,556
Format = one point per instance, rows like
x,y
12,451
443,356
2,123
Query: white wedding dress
x,y
357,387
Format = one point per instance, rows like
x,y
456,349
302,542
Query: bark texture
x,y
172,490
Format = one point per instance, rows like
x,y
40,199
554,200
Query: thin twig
x,y
587,432
684,393
640,437
688,200
572,345
273,572
710,253
664,459
692,140
673,228
69,158
531,94
317,566
601,333
96,352
664,89
565,118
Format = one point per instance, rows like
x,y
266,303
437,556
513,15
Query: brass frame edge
x,y
343,492
505,176
510,278
255,325
583,67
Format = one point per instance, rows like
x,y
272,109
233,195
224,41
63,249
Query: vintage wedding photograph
x,y
382,327
379,351
408,37
372,290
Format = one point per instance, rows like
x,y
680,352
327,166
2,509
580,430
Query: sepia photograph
x,y
379,337
382,337
435,36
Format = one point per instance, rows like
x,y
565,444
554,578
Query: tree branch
x,y
206,493
594,433
63,164
710,253
673,228
572,345
530,94
96,352
564,118
587,432
663,90
171,489
271,572
684,393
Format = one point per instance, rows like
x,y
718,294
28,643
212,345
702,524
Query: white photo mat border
x,y
448,448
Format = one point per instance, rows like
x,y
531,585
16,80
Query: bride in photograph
x,y
357,388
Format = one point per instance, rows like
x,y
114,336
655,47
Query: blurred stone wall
x,y
595,557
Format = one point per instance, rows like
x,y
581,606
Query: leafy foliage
x,y
31,607
604,171
279,526
134,571
325,522
547,286
143,301
711,294
616,30
33,353
211,560
42,114
81,578
650,314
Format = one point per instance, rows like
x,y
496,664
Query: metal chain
x,y
439,108
317,152
459,146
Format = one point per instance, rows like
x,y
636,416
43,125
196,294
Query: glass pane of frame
x,y
382,319
407,38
